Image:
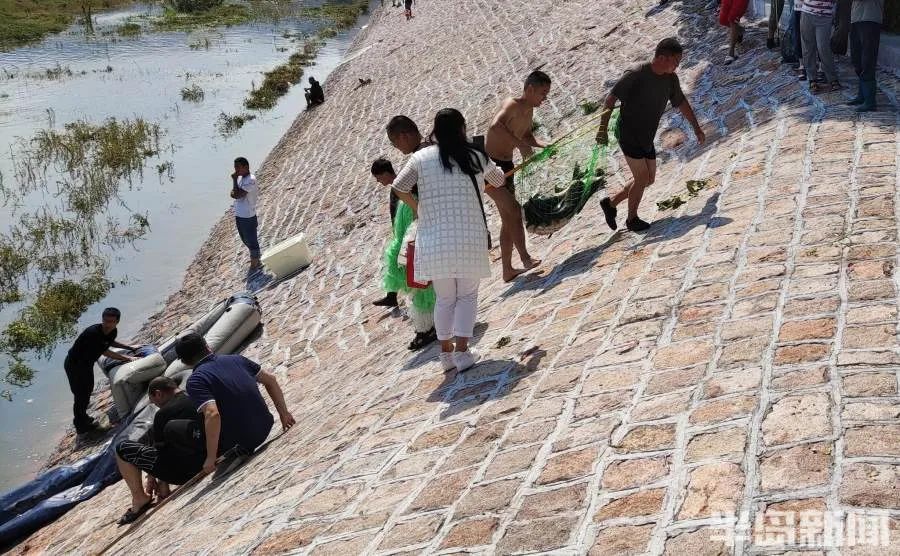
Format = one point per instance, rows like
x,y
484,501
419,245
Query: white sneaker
x,y
447,361
464,360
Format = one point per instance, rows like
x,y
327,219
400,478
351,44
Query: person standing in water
x,y
644,92
511,130
452,239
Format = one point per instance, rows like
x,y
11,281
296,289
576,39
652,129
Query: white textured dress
x,y
452,238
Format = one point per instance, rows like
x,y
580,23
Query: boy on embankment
x,y
511,129
421,301
245,193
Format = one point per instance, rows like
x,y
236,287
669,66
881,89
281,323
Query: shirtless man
x,y
510,130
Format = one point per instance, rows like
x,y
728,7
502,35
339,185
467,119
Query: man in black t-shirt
x,y
175,455
644,93
79,364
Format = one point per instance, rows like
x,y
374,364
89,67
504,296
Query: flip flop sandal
x,y
835,86
730,60
132,515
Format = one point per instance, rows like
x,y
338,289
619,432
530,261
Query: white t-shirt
x,y
246,206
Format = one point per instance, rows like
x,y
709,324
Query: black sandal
x,y
132,515
422,339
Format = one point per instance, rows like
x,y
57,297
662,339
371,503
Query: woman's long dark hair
x,y
450,135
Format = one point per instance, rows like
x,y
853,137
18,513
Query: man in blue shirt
x,y
224,390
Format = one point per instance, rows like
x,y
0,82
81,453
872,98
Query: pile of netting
x,y
555,184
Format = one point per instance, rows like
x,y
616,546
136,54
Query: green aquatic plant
x,y
193,93
26,21
54,258
222,15
129,29
200,44
50,318
228,125
193,6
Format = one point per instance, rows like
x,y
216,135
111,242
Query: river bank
x,y
635,393
180,209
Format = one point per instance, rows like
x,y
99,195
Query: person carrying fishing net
x,y
643,92
511,129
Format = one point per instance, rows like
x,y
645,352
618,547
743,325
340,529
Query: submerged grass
x,y
223,15
227,125
26,21
193,93
130,29
56,256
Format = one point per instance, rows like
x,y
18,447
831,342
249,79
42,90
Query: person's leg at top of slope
x,y
730,14
776,7
511,130
815,25
643,93
245,193
408,12
866,19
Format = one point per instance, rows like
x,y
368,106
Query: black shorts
x,y
633,151
177,463
506,166
149,460
408,4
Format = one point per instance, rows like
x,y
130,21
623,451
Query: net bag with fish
x,y
555,184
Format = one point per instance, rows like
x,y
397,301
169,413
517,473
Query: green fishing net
x,y
555,184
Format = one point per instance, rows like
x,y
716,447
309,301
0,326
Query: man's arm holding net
x,y
603,132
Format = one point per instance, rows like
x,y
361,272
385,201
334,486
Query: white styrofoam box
x,y
287,257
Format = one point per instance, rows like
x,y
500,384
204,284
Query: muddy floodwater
x,y
143,77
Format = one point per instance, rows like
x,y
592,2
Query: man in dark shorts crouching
x,y
176,453
644,92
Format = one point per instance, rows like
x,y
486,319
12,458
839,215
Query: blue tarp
x,y
50,495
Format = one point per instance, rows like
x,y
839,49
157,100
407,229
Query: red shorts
x,y
732,11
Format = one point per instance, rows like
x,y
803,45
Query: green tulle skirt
x,y
394,278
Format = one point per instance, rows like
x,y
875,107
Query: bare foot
x,y
512,274
163,492
138,502
531,263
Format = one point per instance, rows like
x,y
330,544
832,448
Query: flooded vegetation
x,y
54,256
108,195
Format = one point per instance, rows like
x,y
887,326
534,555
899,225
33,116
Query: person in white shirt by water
x,y
245,193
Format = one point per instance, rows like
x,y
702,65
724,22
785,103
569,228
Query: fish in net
x,y
555,184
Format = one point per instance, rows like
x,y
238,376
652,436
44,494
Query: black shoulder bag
x,y
481,206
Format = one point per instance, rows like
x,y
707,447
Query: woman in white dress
x,y
452,240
